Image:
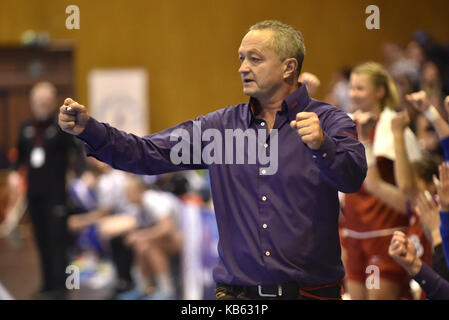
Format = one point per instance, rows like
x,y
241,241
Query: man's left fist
x,y
309,129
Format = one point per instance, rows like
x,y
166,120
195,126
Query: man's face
x,y
43,102
261,69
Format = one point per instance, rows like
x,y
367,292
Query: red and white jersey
x,y
365,215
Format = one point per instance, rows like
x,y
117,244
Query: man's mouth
x,y
247,80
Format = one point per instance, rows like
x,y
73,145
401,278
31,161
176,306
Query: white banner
x,y
120,98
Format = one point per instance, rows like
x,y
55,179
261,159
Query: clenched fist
x,y
73,117
366,121
403,251
309,129
419,100
400,121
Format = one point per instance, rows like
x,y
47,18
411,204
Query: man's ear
x,y
290,66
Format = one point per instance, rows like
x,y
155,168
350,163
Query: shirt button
x,y
264,226
265,145
267,253
263,124
324,155
314,156
264,171
264,198
423,282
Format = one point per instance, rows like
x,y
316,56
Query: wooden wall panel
x,y
190,47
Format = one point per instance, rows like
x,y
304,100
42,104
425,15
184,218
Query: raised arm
x,y
403,171
403,252
374,184
332,139
421,102
153,154
388,193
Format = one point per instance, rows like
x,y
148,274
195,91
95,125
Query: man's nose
x,y
243,67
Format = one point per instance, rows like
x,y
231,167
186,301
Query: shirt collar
x,y
296,102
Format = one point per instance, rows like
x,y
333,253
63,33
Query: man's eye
x,y
255,59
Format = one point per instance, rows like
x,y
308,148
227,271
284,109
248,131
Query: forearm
x,y
436,237
93,216
439,262
148,155
403,171
342,164
433,285
341,158
441,127
387,193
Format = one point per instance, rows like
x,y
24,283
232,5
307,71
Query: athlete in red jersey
x,y
378,209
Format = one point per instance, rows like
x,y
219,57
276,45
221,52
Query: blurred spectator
x,y
392,53
108,222
45,151
338,94
393,196
369,221
407,79
154,243
427,137
415,54
432,85
83,198
419,180
12,202
437,53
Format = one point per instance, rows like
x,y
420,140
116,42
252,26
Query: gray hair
x,y
287,40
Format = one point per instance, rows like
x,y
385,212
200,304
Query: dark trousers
x,y
49,222
122,257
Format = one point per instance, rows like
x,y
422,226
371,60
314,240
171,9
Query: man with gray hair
x,y
44,151
286,41
278,231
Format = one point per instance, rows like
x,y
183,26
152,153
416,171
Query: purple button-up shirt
x,y
273,228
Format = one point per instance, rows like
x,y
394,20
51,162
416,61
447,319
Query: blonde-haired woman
x,y
371,218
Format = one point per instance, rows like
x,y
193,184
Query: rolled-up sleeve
x,y
341,158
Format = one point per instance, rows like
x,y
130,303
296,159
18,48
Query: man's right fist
x,y
73,117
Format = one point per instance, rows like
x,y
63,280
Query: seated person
x,y
156,239
106,223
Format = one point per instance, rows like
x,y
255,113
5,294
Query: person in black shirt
x,y
44,150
